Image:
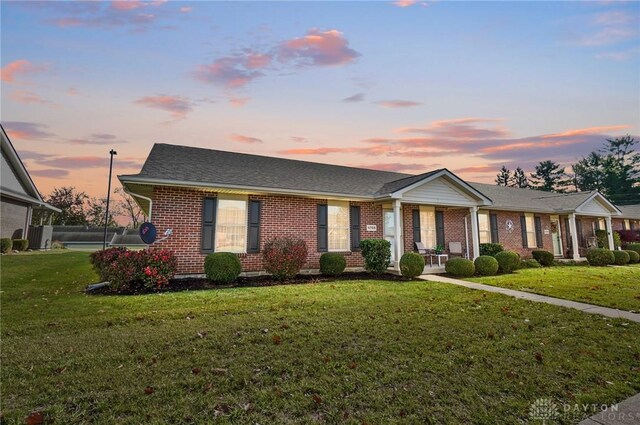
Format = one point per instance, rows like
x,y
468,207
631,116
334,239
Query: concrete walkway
x,y
624,413
587,308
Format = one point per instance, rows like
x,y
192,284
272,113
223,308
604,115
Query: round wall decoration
x,y
509,225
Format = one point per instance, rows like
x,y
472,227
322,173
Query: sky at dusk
x,y
403,86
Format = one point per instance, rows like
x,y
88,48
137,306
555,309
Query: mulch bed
x,y
196,284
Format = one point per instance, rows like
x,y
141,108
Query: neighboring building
x,y
629,219
18,194
224,201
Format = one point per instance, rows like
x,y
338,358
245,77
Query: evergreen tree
x,y
519,179
549,176
504,177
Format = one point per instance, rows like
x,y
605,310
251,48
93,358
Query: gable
x,y
439,191
10,178
594,206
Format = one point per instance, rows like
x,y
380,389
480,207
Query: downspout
x,y
139,196
466,237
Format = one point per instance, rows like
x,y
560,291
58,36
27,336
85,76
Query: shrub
x,y
486,265
411,264
634,257
531,263
131,270
332,263
508,261
222,267
634,247
617,241
629,236
284,257
460,267
621,258
602,239
377,255
5,245
545,258
490,249
600,257
20,244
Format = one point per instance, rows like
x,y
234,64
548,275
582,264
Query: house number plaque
x,y
372,228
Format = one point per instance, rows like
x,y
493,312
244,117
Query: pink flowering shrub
x,y
284,257
127,270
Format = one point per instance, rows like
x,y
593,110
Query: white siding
x,y
438,192
594,207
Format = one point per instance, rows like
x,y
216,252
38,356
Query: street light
x,y
106,214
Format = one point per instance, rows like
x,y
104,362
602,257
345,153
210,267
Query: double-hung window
x,y
531,230
483,227
231,224
428,234
338,225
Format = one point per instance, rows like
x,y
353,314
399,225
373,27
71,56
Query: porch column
x,y
475,236
610,232
399,239
574,237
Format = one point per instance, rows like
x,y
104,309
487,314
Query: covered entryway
x,y
556,236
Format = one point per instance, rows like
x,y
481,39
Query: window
x,y
231,224
531,231
601,224
626,225
338,225
428,232
483,227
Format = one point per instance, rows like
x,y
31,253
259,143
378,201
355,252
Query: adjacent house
x,y
629,218
224,201
19,196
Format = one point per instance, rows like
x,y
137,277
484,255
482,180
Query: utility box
x,y
40,237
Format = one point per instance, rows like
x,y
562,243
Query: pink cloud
x,y
126,4
394,166
51,172
231,72
404,3
135,14
239,102
459,128
72,91
178,106
245,139
257,60
27,97
81,162
398,103
186,9
26,130
319,48
477,169
299,139
18,68
98,139
589,130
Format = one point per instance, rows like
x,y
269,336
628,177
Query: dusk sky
x,y
404,86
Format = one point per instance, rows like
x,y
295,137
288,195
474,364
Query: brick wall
x,y
181,209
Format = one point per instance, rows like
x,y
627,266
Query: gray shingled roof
x,y
530,199
198,165
630,211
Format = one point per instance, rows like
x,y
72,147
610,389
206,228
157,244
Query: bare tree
x,y
130,208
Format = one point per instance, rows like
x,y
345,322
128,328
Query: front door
x,y
390,230
556,236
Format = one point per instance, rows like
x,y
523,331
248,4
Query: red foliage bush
x,y
629,236
284,257
127,270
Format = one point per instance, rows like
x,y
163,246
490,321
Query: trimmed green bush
x,y
545,258
634,257
602,238
377,255
460,267
222,267
634,247
508,261
20,244
490,249
600,257
411,264
617,241
5,245
332,263
486,265
621,258
531,263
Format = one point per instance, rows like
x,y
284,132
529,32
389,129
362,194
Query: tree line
x,y
613,170
77,208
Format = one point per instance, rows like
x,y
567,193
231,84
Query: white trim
x,y
227,197
475,236
613,209
574,237
341,204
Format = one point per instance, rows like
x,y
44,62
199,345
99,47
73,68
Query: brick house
x,y
217,201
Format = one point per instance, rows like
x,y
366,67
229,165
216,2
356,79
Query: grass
x,y
616,287
350,352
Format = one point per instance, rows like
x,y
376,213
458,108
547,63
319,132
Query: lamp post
x,y
106,214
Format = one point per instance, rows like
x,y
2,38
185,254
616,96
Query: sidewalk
x,y
587,308
624,413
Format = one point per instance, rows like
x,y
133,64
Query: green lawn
x,y
616,287
349,352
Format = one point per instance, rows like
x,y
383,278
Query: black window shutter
x,y
208,224
323,228
523,229
354,220
579,232
538,224
597,224
439,228
567,232
493,220
253,231
416,226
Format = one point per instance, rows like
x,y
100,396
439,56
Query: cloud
x,y
245,139
72,91
186,9
23,130
230,72
19,68
299,139
318,48
26,155
82,162
178,106
358,97
620,56
394,166
607,28
51,172
477,169
28,97
459,128
238,101
397,103
404,3
98,139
